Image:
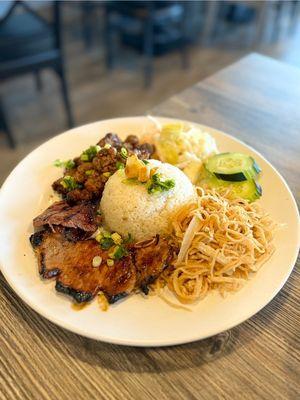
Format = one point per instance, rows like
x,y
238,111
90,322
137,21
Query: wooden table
x,y
258,101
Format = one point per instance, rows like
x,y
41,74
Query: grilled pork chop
x,y
80,216
150,259
71,264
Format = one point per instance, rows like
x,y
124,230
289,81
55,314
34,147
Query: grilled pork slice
x,y
150,258
81,216
72,265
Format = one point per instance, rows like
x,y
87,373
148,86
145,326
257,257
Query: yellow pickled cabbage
x,y
185,146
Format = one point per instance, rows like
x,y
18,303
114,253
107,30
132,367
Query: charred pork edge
x,y
113,299
36,238
83,296
78,295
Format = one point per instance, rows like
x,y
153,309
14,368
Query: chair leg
x,y
109,40
263,12
86,23
5,127
211,13
184,39
38,81
294,15
61,74
277,21
185,62
148,51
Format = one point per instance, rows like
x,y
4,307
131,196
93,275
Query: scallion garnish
x,y
106,243
129,239
110,262
119,252
145,162
69,183
90,153
156,184
69,164
132,181
120,165
124,153
116,238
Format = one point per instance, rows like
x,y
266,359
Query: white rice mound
x,y
129,208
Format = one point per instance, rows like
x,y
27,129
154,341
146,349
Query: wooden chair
x,y
28,44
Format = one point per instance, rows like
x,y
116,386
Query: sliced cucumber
x,y
233,167
249,190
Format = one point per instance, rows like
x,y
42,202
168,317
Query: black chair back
x,y
29,43
24,33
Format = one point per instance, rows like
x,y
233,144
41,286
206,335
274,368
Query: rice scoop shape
x,y
127,207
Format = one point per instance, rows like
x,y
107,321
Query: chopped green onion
x,y
97,260
69,183
99,237
90,153
132,181
110,262
120,252
58,163
106,234
106,243
98,212
157,185
106,174
129,239
90,172
124,153
145,162
84,157
120,165
69,164
112,252
107,146
116,238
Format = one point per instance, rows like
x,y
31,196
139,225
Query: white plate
x,y
136,320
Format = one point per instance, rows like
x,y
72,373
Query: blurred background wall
x,y
64,64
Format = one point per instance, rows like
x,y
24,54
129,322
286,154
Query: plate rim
x,y
167,342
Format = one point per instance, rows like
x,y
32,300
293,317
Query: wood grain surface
x,y
258,101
